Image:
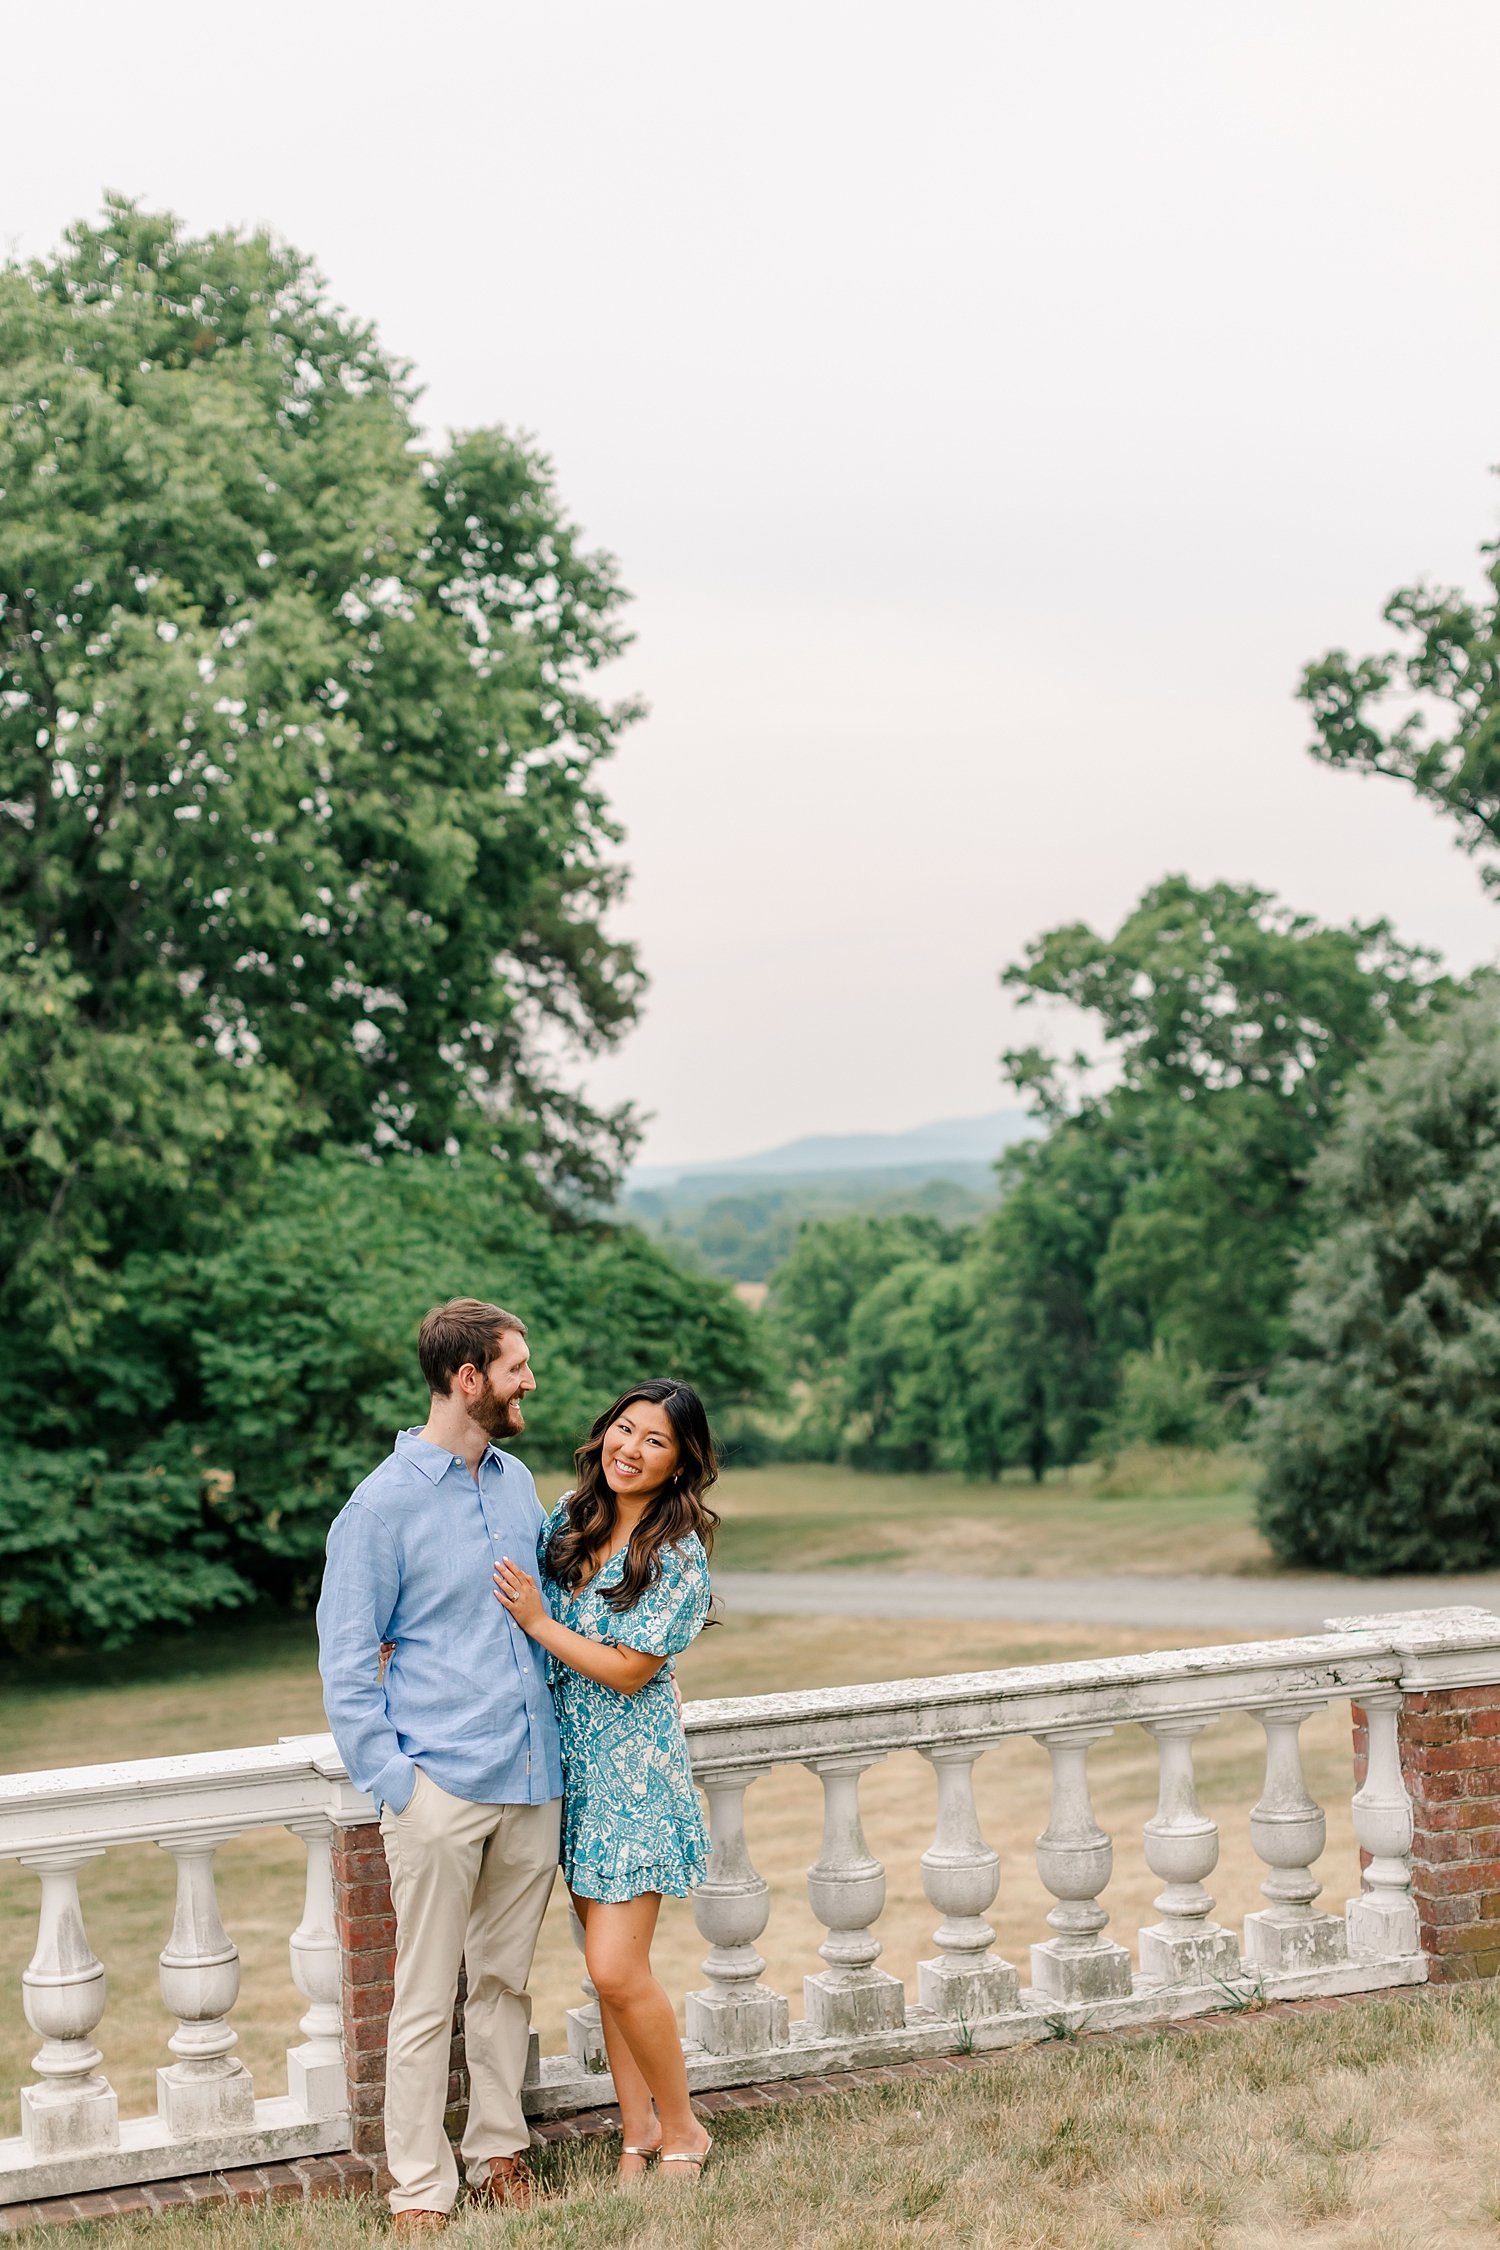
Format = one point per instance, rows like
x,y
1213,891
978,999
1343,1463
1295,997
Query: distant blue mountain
x,y
952,1140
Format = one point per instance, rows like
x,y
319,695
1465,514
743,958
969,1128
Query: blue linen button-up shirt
x,y
465,1696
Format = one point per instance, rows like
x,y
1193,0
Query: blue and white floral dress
x,y
631,1818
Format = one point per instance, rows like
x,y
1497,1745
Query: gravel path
x,y
1240,1606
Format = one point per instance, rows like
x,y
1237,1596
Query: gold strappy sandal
x,y
699,2156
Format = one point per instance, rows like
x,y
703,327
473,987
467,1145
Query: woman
x,y
624,1569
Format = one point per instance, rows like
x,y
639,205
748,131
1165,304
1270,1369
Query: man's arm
x,y
360,1585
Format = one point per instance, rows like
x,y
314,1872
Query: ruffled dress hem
x,y
670,1882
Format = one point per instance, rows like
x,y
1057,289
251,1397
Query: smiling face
x,y
494,1397
638,1453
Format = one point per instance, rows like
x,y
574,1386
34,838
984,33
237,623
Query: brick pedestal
x,y
1448,1736
1450,1762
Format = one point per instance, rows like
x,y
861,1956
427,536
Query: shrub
x,y
1163,1399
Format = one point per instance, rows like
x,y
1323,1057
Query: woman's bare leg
x,y
634,2008
638,2125
632,2094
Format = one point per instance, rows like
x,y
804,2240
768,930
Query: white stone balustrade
x,y
72,2107
739,2030
51,1824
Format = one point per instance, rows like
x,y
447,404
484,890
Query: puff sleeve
x,y
670,1613
552,1521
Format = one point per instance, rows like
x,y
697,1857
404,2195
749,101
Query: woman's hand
x,y
521,1596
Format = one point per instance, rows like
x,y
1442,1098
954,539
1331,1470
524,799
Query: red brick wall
x,y
1450,1761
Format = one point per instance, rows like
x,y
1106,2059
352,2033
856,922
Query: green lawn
x,y
1152,1512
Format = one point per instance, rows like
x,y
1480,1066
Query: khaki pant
x,y
468,1882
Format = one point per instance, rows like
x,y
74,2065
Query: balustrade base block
x,y
1067,1973
69,2122
1382,1926
963,1995
740,2023
838,2007
317,2086
1276,1940
585,2036
1192,1956
192,2103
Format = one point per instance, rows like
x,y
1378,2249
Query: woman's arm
x,y
625,1670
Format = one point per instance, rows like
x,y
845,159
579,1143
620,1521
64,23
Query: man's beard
x,y
498,1417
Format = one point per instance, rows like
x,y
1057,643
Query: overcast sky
x,y
992,406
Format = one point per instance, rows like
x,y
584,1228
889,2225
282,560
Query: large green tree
x,y
300,827
1166,1205
1426,712
1227,1027
1382,1436
1152,1232
840,1300
304,870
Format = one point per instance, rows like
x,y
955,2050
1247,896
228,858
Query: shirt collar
x,y
433,1461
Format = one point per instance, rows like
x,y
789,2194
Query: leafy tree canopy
x,y
1231,1026
839,1343
304,868
301,835
1426,713
1218,988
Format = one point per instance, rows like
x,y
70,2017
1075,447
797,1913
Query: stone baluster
x,y
846,1888
737,2014
1075,1858
585,2032
207,2088
73,2109
315,2070
961,1875
1383,1919
1182,1847
1288,1831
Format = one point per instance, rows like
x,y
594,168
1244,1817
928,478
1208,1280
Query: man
x,y
457,1744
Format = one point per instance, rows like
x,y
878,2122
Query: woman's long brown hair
x,y
593,1512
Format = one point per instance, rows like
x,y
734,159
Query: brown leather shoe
x,y
419,2222
505,2181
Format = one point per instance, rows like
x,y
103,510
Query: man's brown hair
x,y
463,1333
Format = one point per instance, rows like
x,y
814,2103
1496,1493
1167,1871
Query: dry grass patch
x,y
1369,2129
1150,1513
